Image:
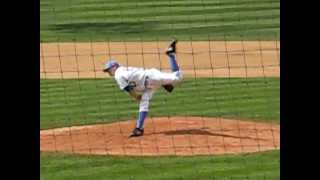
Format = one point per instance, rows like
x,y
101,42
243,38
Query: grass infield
x,y
91,101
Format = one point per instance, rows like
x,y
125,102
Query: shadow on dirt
x,y
204,132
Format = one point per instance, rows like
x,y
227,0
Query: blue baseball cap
x,y
109,64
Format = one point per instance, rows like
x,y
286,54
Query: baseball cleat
x,y
137,132
168,87
172,47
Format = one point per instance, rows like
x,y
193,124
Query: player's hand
x,y
138,97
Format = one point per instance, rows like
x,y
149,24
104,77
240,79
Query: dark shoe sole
x,y
172,47
136,132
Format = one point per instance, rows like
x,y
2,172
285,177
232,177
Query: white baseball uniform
x,y
145,81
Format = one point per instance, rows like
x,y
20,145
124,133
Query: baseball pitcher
x,y
142,83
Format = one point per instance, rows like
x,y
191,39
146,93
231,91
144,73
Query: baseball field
x,y
221,122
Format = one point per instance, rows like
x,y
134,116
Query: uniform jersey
x,y
133,76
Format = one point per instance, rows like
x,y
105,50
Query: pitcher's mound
x,y
165,136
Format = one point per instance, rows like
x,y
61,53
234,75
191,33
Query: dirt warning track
x,y
200,58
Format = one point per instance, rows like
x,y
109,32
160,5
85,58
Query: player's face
x,y
112,71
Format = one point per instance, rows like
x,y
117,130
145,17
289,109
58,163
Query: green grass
x,y
91,101
150,20
259,166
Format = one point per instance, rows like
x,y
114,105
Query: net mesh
x,y
226,109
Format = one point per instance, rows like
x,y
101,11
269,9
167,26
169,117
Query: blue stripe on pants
x,y
173,63
142,117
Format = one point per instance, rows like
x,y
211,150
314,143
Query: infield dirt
x,y
200,59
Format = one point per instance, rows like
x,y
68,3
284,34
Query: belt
x,y
146,82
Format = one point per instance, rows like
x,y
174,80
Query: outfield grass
x,y
259,166
91,101
150,20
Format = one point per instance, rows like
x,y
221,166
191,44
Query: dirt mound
x,y
165,136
